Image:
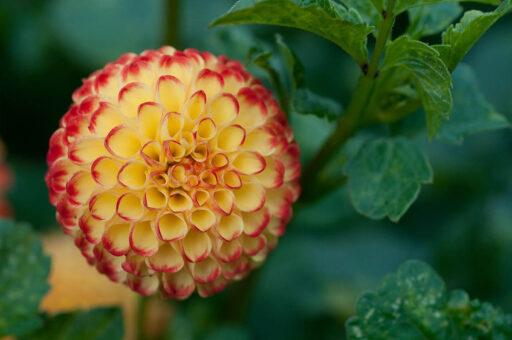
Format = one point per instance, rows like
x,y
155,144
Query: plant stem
x,y
350,122
171,24
141,317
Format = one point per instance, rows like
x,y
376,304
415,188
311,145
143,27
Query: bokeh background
x,y
461,225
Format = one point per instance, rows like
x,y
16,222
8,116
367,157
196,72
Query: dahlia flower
x,y
173,171
5,183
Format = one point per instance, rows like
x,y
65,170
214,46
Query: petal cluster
x,y
6,179
173,171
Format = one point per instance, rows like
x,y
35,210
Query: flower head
x,y
173,171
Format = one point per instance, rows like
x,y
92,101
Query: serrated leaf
x,y
306,102
428,73
432,19
385,177
458,39
325,18
414,304
402,5
23,273
471,112
292,62
96,324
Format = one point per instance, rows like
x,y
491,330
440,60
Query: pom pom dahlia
x,y
173,171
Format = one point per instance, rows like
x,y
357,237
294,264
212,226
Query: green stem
x,y
350,122
141,317
171,25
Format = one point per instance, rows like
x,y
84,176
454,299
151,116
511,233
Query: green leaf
x,y
261,58
366,9
23,272
458,39
428,73
96,324
385,177
402,5
292,62
414,304
325,18
306,102
432,19
471,112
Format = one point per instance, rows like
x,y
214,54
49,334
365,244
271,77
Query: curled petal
x,y
116,239
166,260
171,93
105,171
249,163
143,239
250,197
171,227
202,219
129,207
196,246
132,96
230,227
149,117
210,82
123,142
231,138
179,285
224,108
205,271
105,119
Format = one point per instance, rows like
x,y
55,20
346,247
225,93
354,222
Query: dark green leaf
x,y
471,112
385,177
366,10
414,304
325,18
432,19
428,73
96,324
295,67
458,39
306,102
23,272
402,5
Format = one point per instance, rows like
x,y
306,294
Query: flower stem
x,y
141,317
172,23
350,122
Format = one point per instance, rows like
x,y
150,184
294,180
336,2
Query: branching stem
x,y
350,122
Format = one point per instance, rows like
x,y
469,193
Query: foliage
x,y
96,324
414,304
22,278
326,18
385,177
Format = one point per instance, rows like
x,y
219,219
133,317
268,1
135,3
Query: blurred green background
x,y
461,225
